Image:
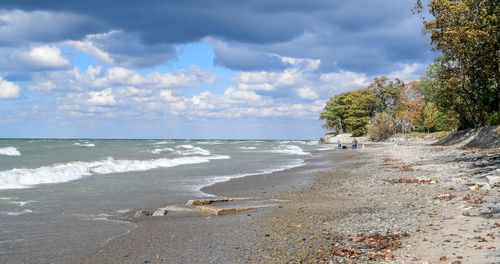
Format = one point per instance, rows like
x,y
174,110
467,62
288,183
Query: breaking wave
x,y
248,148
9,151
189,150
215,179
86,144
289,149
58,173
161,150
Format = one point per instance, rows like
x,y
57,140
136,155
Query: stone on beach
x,y
160,212
140,213
482,187
206,209
493,180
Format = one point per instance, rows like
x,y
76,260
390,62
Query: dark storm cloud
x,y
360,35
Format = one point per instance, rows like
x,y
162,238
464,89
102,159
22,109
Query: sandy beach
x,y
398,202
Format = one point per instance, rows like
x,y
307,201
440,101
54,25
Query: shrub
x,y
494,119
441,135
382,127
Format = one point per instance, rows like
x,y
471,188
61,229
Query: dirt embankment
x,y
483,137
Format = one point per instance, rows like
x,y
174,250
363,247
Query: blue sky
x,y
195,69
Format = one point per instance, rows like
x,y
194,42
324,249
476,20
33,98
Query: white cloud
x,y
168,96
87,45
174,79
42,86
9,89
104,97
307,93
345,80
241,95
43,57
118,77
408,72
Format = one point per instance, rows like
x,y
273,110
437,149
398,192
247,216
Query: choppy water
x,y
57,195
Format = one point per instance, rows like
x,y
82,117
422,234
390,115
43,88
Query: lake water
x,y
56,195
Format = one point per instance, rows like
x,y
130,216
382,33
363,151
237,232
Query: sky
x,y
220,69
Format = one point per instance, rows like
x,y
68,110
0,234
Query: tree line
x,y
459,90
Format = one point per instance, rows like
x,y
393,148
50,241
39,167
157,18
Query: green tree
x,y
430,114
467,33
386,93
349,111
449,105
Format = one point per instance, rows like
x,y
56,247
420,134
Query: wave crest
x,y
10,151
58,173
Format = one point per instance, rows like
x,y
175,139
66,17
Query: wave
x,y
58,173
23,203
86,144
161,150
215,179
9,151
209,142
189,150
248,148
328,147
27,211
289,149
163,142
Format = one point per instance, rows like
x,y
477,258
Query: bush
x,y
441,135
494,119
382,127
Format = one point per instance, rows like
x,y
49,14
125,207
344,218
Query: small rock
x,y
493,180
482,187
127,210
140,213
160,212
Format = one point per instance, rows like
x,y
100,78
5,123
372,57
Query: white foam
x,y
23,203
190,150
248,148
185,146
289,149
209,142
27,211
58,173
163,142
86,144
328,147
215,179
9,151
161,150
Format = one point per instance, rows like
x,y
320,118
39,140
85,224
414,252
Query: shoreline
x,y
179,230
386,193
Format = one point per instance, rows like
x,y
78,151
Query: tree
x,y
349,111
410,106
386,93
430,114
382,126
467,33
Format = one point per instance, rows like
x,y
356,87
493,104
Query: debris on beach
x,y
445,197
413,180
211,201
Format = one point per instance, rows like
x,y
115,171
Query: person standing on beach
x,y
339,143
355,144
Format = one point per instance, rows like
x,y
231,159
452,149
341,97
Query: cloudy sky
x,y
194,69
